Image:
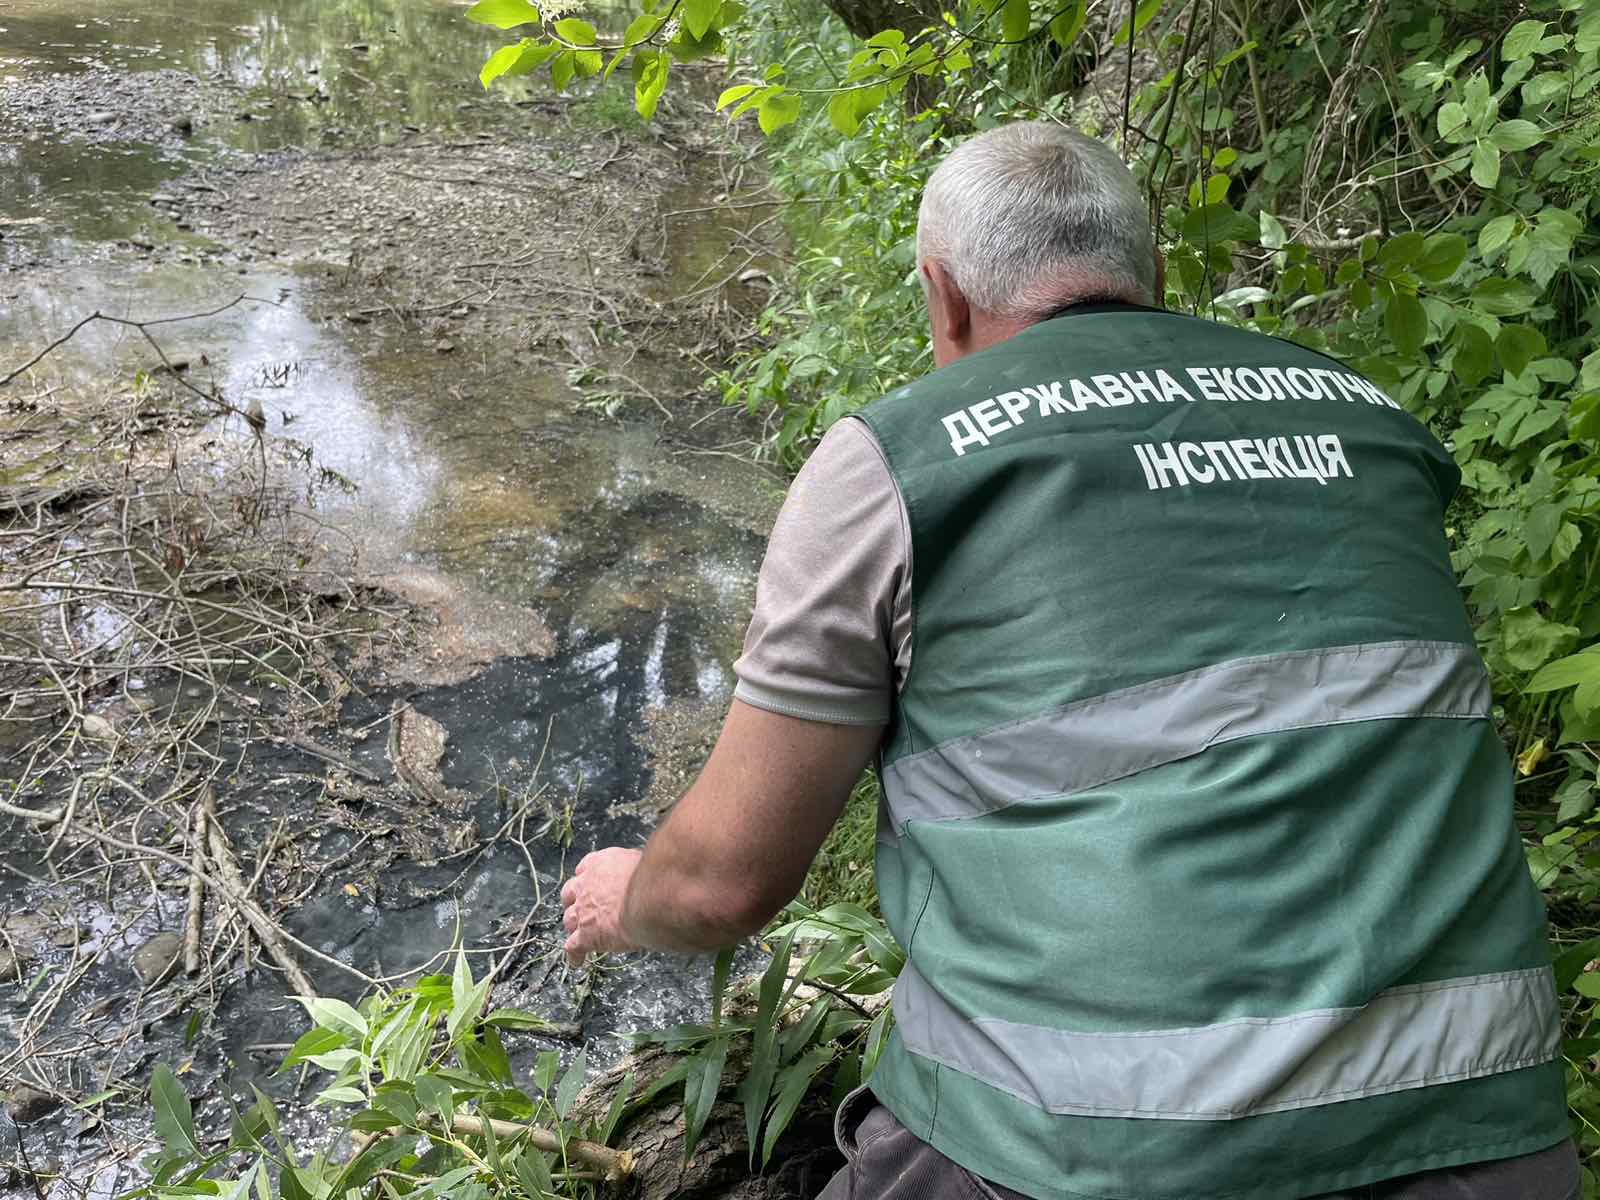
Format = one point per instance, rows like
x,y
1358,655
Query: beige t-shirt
x,y
830,636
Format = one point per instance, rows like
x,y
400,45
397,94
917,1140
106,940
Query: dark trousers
x,y
886,1161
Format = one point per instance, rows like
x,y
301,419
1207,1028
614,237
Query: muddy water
x,y
474,471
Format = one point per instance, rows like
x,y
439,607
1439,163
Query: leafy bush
x,y
437,1110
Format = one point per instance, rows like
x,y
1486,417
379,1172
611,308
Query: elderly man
x,y
1196,829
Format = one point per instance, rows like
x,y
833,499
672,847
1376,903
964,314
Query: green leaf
x,y
1569,964
1213,223
1066,26
1402,250
698,16
1142,16
335,1014
578,33
1474,354
776,111
688,48
1503,297
642,27
519,1018
1445,252
1451,120
342,1094
1273,235
1588,37
1015,20
312,1042
1588,984
1522,40
1516,135
1583,416
1496,233
437,1096
1517,346
504,14
1485,165
1530,639
562,68
738,92
763,1058
700,1091
464,1013
533,1172
1406,322
877,1038
619,1105
793,1084
651,68
571,1084
501,61
842,113
1575,800
1575,669
174,1115
544,1071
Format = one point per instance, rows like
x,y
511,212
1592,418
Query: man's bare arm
x,y
734,850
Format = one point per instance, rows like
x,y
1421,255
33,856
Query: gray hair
x,y
1032,215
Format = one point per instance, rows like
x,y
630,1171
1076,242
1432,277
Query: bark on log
x,y
802,1162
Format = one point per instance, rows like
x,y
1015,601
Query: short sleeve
x,y
829,638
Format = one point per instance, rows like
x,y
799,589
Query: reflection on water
x,y
239,75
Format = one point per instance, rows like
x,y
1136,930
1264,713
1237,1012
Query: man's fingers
x,y
575,951
569,920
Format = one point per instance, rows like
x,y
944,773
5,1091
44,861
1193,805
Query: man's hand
x,y
592,904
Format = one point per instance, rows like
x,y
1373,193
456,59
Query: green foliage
x,y
425,1072
819,1015
842,872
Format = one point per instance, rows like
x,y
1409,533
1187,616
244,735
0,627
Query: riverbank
x,y
412,557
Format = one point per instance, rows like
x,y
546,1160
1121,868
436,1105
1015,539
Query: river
x,y
476,315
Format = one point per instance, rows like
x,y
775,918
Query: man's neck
x,y
990,329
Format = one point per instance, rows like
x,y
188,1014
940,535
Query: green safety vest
x,y
1196,828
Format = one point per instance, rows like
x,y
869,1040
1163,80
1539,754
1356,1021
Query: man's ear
x,y
948,310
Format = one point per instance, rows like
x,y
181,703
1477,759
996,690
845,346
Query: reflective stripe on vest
x,y
1406,1037
1093,742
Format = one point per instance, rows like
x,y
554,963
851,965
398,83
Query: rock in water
x,y
154,961
25,1104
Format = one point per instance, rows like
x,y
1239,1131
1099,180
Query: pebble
x,y
102,116
155,961
98,727
25,1104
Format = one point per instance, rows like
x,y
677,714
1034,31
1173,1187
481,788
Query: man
x,y
1196,829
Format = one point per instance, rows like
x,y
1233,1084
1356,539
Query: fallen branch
x,y
193,927
617,1164
252,913
272,937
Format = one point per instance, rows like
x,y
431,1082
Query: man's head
x,y
1021,221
